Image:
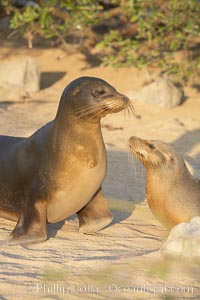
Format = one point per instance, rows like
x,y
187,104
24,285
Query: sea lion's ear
x,y
171,158
151,146
75,91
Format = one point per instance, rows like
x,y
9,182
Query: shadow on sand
x,y
49,78
185,143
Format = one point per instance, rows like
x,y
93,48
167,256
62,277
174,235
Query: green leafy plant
x,y
49,19
151,31
138,33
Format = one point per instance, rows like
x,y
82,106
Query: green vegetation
x,y
131,32
153,31
53,18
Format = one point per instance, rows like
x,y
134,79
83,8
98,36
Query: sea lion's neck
x,y
160,182
73,131
70,125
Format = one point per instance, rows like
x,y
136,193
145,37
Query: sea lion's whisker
x,y
88,106
138,165
129,111
125,114
133,163
132,109
94,115
139,157
130,160
100,109
91,107
111,106
142,159
138,162
86,113
114,107
94,108
86,110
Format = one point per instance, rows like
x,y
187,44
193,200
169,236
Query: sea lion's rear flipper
x,y
31,226
95,215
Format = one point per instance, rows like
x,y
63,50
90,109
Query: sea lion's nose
x,y
133,140
125,98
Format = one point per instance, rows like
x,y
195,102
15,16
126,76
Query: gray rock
x,y
183,240
161,92
21,73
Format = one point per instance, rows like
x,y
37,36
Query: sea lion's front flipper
x,y
31,226
24,240
95,215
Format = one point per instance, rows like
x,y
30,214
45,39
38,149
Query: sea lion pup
x,y
59,170
173,194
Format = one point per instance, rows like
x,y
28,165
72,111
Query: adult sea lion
x,y
173,194
59,170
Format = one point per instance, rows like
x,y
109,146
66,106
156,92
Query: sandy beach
x,y
123,260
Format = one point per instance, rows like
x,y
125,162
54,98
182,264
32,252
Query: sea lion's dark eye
x,y
151,146
99,92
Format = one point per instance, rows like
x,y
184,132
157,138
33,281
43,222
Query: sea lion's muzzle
x,y
134,141
137,147
116,104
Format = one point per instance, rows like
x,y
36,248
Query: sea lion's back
x,y
7,142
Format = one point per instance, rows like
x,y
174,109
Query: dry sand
x,y
122,261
